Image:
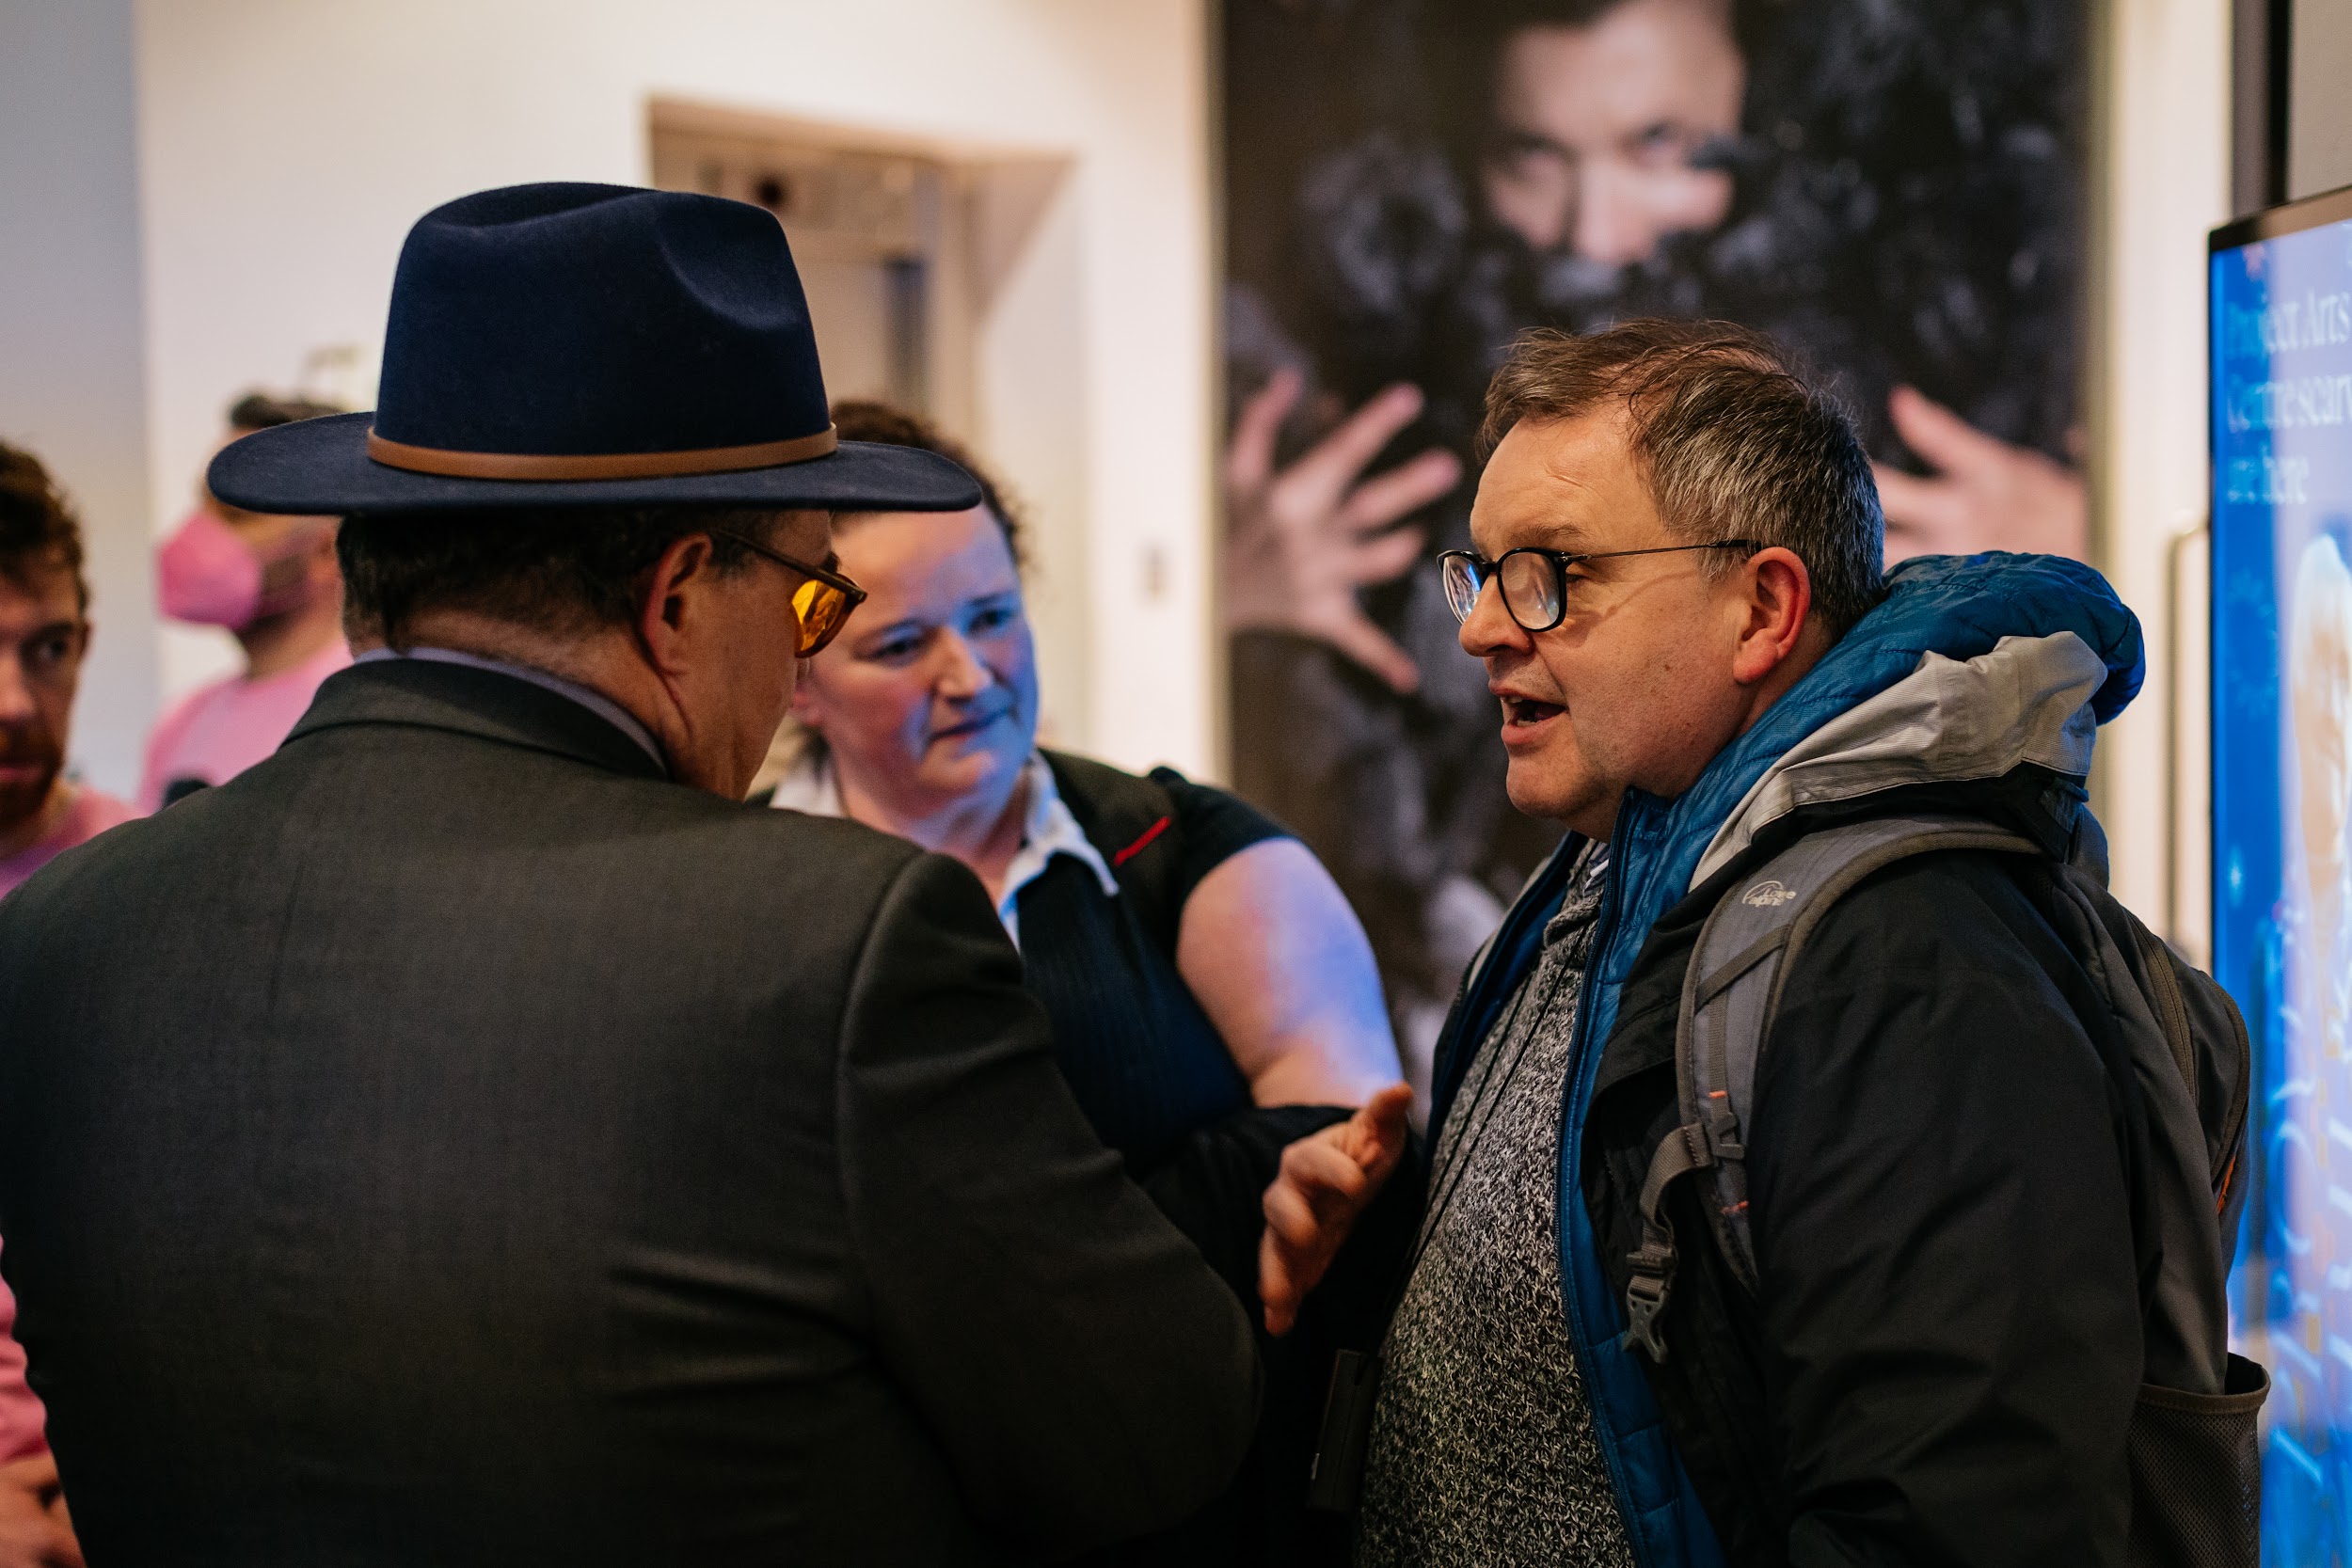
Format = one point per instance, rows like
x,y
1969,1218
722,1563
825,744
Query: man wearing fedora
x,y
473,1136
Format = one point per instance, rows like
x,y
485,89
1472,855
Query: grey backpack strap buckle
x,y
1645,1300
1683,1150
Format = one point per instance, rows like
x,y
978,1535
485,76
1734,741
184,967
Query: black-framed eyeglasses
x,y
1535,581
821,603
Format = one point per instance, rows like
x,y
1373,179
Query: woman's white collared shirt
x,y
1048,828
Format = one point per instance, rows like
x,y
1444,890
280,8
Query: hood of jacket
x,y
1972,665
1951,721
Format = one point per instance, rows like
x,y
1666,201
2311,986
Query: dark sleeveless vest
x,y
1145,1062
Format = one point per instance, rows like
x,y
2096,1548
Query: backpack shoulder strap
x,y
1730,992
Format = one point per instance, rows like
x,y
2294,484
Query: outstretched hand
x,y
1307,538
1326,1181
1985,494
36,1532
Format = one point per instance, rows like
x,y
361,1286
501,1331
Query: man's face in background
x,y
1594,127
43,636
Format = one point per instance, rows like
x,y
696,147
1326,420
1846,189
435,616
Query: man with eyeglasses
x,y
472,1135
1674,584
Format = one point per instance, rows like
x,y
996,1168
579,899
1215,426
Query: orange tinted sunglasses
x,y
822,604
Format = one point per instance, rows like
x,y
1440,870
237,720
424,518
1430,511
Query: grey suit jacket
x,y
450,1141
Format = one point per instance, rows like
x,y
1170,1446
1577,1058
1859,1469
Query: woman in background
x,y
1195,957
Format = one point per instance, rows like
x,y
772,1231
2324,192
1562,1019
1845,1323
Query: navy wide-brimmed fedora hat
x,y
588,345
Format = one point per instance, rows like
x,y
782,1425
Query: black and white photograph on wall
x,y
1895,191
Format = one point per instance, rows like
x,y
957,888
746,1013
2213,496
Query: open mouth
x,y
1526,712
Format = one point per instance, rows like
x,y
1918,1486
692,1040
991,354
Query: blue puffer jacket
x,y
1959,607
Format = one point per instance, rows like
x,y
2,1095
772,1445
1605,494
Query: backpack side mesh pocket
x,y
2196,1466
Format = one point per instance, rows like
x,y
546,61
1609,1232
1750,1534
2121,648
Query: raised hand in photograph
x,y
1305,539
1984,494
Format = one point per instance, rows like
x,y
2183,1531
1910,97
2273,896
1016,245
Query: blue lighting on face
x,y
2281,351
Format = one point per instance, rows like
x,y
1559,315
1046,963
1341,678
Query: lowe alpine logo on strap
x,y
1767,895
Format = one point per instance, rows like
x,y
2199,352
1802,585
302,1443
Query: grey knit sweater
x,y
1483,1449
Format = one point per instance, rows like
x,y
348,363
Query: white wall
x,y
1032,388
2319,111
2166,108
286,145
71,340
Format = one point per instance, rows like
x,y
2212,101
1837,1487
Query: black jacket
x,y
450,1141
1944,1349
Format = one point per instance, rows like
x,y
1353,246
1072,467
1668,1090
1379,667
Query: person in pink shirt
x,y
273,582
44,632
